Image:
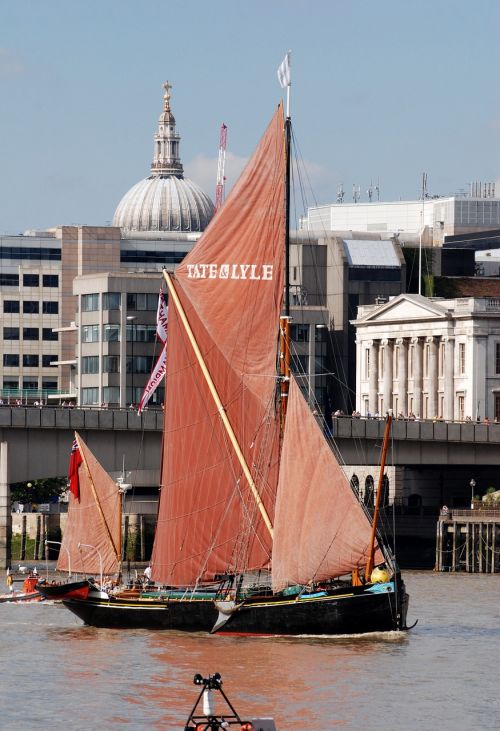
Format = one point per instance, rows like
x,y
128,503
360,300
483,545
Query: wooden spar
x,y
284,367
218,402
118,554
385,445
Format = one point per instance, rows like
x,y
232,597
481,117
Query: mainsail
x,y
94,521
320,528
230,287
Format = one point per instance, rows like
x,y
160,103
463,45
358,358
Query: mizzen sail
x,y
230,287
94,519
320,528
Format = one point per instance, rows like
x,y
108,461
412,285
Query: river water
x,y
58,674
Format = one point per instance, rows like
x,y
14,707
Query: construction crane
x,y
219,190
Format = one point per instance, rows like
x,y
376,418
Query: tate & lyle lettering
x,y
230,271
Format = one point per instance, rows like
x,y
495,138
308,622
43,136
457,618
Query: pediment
x,y
407,307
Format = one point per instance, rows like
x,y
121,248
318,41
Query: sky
x,y
382,91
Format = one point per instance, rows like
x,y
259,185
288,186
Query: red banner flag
x,y
75,461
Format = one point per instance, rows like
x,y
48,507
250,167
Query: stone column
x,y
403,374
5,513
373,378
418,352
432,377
449,378
388,346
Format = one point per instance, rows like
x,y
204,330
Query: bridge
x,y
434,460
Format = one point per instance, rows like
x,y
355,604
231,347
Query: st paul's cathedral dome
x,y
165,201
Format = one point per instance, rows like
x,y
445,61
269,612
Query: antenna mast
x,y
221,164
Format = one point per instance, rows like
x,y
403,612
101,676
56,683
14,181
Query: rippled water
x,y
58,674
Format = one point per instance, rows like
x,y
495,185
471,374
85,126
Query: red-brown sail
x,y
230,287
93,520
320,528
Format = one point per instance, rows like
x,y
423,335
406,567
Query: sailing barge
x,y
258,530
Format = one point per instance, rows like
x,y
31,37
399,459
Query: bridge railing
x,y
26,417
442,431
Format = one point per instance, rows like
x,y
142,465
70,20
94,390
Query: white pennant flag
x,y
154,379
284,72
162,318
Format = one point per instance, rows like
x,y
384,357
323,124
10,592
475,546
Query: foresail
x,y
94,520
320,529
230,286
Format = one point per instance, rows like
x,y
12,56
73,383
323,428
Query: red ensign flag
x,y
75,461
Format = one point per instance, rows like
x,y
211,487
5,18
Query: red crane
x,y
219,190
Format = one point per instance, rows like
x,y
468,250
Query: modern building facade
x,y
428,221
429,358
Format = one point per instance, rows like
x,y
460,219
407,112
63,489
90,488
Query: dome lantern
x,y
165,201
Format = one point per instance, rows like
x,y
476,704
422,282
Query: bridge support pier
x,y
5,510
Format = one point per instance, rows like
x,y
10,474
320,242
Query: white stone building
x,y
429,357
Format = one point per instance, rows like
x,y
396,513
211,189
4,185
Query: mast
x,y
284,77
385,444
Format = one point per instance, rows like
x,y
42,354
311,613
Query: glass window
x,y
143,364
50,308
31,280
90,302
50,280
111,394
49,385
89,396
111,301
141,333
30,383
299,363
299,333
367,362
111,333
90,333
497,358
11,333
11,384
47,360
461,358
30,360
111,364
9,280
31,333
497,408
11,306
49,334
138,301
90,364
11,360
152,301
30,307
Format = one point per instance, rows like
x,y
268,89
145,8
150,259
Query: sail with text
x,y
230,287
158,372
91,541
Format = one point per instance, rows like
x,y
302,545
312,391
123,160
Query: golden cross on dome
x,y
167,86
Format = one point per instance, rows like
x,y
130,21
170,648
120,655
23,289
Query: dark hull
x,y
353,611
71,589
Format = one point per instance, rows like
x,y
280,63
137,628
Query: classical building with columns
x,y
431,358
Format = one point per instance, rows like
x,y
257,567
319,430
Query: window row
x,y
111,333
29,333
12,384
111,364
29,280
30,307
29,360
112,301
